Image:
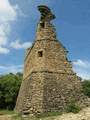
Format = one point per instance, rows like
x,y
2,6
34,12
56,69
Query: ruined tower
x,y
49,82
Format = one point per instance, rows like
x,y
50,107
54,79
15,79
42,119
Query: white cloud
x,y
4,28
82,68
3,40
17,8
18,45
81,63
4,32
7,14
4,69
4,50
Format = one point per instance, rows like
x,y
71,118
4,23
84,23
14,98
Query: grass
x,y
72,107
44,116
6,112
48,114
33,118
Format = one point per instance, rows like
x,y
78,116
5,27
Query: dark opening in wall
x,y
40,53
42,24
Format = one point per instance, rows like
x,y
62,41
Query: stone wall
x,y
32,100
53,59
46,91
60,89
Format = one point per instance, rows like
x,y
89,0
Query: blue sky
x,y
18,21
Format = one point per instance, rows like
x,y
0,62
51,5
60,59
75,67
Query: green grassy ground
x,y
45,116
6,112
15,116
34,118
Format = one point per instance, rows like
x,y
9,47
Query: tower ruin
x,y
49,82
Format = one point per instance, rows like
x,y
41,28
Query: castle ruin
x,y
49,82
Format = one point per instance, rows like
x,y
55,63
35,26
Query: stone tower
x,y
49,82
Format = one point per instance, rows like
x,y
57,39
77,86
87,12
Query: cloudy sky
x,y
18,21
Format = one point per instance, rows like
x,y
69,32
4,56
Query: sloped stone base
x,y
46,91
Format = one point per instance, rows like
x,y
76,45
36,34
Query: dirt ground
x,y
5,117
82,115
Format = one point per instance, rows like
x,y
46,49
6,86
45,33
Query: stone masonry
x,y
49,82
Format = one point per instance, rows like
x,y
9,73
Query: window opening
x,y
42,24
40,53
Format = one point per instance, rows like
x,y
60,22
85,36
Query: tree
x,y
86,87
9,87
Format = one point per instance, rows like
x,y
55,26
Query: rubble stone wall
x,y
46,91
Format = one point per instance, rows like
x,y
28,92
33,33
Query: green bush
x,y
72,107
9,87
86,87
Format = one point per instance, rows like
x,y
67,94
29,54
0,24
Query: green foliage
x,y
9,87
72,107
86,87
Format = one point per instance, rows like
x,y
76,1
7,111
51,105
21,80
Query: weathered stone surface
x,y
49,82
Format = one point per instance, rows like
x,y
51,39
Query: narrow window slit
x,y
40,53
42,24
